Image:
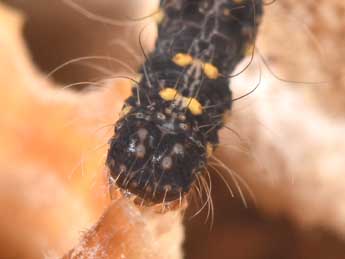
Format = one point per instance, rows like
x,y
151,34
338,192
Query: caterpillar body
x,y
169,125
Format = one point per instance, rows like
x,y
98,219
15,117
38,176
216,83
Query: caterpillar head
x,y
155,155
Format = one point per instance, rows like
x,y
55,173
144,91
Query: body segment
x,y
172,119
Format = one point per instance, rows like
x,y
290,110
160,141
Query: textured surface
x,y
294,134
159,149
291,147
52,173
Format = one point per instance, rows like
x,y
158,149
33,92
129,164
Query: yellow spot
x,y
182,59
159,16
125,110
211,71
209,149
238,1
249,50
193,105
169,94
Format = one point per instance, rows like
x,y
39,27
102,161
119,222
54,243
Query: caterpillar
x,y
168,127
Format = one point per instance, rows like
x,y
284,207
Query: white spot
x,y
140,151
178,149
123,168
142,134
161,116
182,117
139,115
184,126
166,163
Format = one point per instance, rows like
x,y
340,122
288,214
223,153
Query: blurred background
x,y
56,33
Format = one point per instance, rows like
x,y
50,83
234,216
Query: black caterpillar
x,y
169,126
